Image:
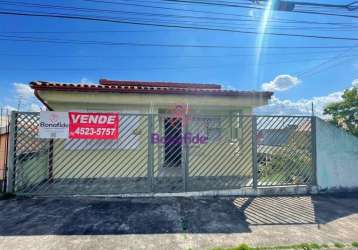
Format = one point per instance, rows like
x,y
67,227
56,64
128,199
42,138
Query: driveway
x,y
176,223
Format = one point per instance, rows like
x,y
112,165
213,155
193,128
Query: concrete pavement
x,y
176,223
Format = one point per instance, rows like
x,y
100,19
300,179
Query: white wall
x,y
337,157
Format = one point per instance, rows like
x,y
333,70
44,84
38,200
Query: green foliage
x,y
338,245
288,167
315,246
325,246
355,243
345,113
304,246
241,247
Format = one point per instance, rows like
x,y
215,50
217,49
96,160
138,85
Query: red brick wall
x,y
3,154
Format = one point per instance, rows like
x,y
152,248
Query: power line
x,y
166,56
63,7
272,19
61,16
134,44
233,4
131,12
311,71
319,5
216,66
156,14
78,31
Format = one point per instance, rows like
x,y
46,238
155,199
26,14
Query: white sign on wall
x,y
53,125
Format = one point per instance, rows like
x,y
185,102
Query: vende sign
x,y
95,126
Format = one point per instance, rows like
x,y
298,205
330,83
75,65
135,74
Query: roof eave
x,y
36,85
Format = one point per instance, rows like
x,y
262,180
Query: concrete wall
x,y
115,163
3,154
337,158
59,100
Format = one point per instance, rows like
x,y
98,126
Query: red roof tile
x,y
160,84
161,88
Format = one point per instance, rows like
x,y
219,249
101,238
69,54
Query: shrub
x,y
355,243
305,246
338,245
315,246
241,247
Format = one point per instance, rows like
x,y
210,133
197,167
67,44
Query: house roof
x,y
142,87
160,84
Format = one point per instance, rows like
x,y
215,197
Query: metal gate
x,y
162,153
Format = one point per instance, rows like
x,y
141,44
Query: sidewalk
x,y
176,223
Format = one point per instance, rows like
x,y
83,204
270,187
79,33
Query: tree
x,y
345,113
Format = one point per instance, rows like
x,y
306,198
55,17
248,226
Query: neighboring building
x,y
159,98
3,152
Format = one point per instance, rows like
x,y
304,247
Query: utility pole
x,y
312,109
19,103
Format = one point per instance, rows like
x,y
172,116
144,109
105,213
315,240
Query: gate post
x,y
185,160
314,149
254,150
11,151
150,157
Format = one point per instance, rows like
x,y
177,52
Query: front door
x,y
173,142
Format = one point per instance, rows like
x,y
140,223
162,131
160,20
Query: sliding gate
x,y
163,153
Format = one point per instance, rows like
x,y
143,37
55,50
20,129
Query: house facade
x,y
210,118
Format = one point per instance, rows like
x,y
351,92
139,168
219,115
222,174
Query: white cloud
x,y
35,107
25,98
355,83
229,87
85,80
8,108
281,83
300,107
23,91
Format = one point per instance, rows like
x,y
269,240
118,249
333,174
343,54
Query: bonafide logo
x,y
187,138
53,122
179,114
181,111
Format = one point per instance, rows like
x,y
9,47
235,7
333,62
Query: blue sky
x,y
298,76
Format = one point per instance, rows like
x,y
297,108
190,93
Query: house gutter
x,y
42,100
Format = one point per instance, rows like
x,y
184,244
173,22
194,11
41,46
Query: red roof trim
x,y
160,84
41,85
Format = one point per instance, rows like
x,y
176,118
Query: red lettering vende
x,y
93,118
95,126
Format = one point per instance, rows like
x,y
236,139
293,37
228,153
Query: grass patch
x,y
338,245
315,246
240,247
302,246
